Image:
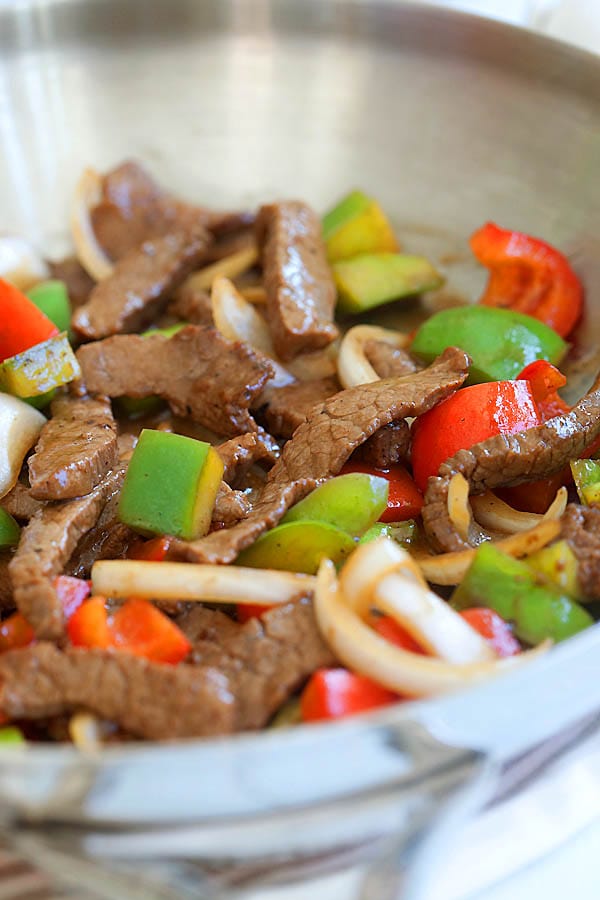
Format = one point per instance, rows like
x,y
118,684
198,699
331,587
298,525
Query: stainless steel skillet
x,y
451,121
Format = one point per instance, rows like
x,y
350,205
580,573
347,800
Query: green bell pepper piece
x,y
42,401
586,475
52,299
9,530
537,609
558,564
167,332
500,342
40,369
357,225
298,547
351,502
371,279
401,532
171,485
11,735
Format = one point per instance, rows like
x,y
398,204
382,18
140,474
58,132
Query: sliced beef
x,y
239,453
140,285
197,371
387,447
322,444
75,450
46,544
158,702
19,502
230,507
193,306
78,283
6,591
389,361
505,460
109,538
287,407
233,241
300,289
581,528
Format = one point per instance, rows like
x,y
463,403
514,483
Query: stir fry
x,y
230,499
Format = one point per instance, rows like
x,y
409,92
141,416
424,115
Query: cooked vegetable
x,y
15,632
404,498
586,474
171,485
388,628
500,342
11,735
20,426
337,693
88,193
357,225
492,512
20,263
493,628
557,563
189,581
22,324
298,547
52,299
9,530
228,267
40,369
71,592
545,380
528,275
352,502
467,417
537,609
402,532
371,279
352,364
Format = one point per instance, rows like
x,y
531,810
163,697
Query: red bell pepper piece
x,y
71,592
529,276
389,629
404,498
22,324
140,628
336,693
247,611
88,626
469,416
493,628
154,550
545,380
536,496
15,632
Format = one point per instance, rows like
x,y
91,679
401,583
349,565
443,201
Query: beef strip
x,y
581,528
387,447
109,538
230,507
389,361
158,702
133,209
19,502
239,453
46,543
75,449
6,592
197,371
322,444
300,289
78,283
140,285
193,306
508,459
285,408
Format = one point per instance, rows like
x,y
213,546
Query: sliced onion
x,y
312,366
370,563
189,581
93,258
84,731
450,568
20,263
228,267
254,294
20,426
459,510
353,366
237,320
492,512
409,674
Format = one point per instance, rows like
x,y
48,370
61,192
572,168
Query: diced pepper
x,y
586,475
171,485
22,324
140,628
298,547
537,609
545,380
469,416
15,632
9,530
372,279
402,532
88,626
404,497
528,275
71,592
287,715
500,342
352,502
536,496
336,693
389,629
357,225
154,550
558,564
11,735
494,629
40,369
52,299
135,407
168,331
20,426
247,611
42,400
